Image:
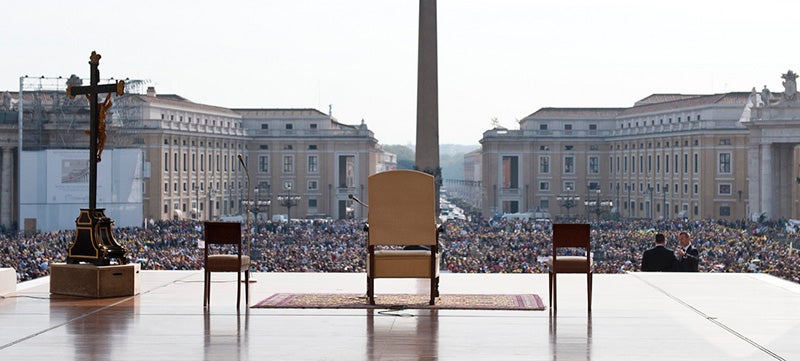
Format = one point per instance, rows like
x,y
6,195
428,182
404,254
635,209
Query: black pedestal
x,y
94,241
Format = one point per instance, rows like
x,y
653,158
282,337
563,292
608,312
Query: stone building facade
x,y
667,156
191,155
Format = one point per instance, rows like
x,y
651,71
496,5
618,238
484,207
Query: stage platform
x,y
635,316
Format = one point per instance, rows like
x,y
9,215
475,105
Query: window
x,y
685,163
313,163
166,187
592,126
312,203
166,206
289,126
166,161
685,188
263,146
194,162
185,162
696,188
287,185
542,126
567,126
263,163
568,147
594,165
544,148
696,163
510,168
175,161
202,162
569,164
569,186
544,186
725,163
725,189
544,203
313,185
725,141
288,164
675,159
313,125
312,147
544,164
724,211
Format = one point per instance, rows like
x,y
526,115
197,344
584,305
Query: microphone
x,y
351,196
249,229
241,160
246,173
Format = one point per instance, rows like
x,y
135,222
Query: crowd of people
x,y
474,246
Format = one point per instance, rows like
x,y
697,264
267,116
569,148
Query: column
x,y
766,169
6,179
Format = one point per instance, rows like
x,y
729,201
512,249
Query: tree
x,y
405,155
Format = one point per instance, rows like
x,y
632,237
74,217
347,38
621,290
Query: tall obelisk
x,y
427,148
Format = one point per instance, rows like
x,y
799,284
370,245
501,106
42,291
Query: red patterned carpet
x,y
522,302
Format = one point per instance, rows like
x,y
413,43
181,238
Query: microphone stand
x,y
249,199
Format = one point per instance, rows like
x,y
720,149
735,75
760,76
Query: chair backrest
x,y
402,208
222,233
571,235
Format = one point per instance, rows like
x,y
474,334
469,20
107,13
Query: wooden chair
x,y
402,212
225,233
570,236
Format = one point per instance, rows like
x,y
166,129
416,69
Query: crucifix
x,y
94,242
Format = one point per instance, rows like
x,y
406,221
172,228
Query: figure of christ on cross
x,y
101,125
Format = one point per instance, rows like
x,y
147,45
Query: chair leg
x,y
589,289
433,291
371,290
206,288
550,289
247,288
238,289
555,292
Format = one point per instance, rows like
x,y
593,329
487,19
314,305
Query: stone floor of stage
x,y
635,316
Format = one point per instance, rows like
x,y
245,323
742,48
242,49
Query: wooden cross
x,y
96,117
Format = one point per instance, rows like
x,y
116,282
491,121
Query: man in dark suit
x,y
688,256
659,258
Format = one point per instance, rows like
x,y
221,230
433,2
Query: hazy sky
x,y
499,59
